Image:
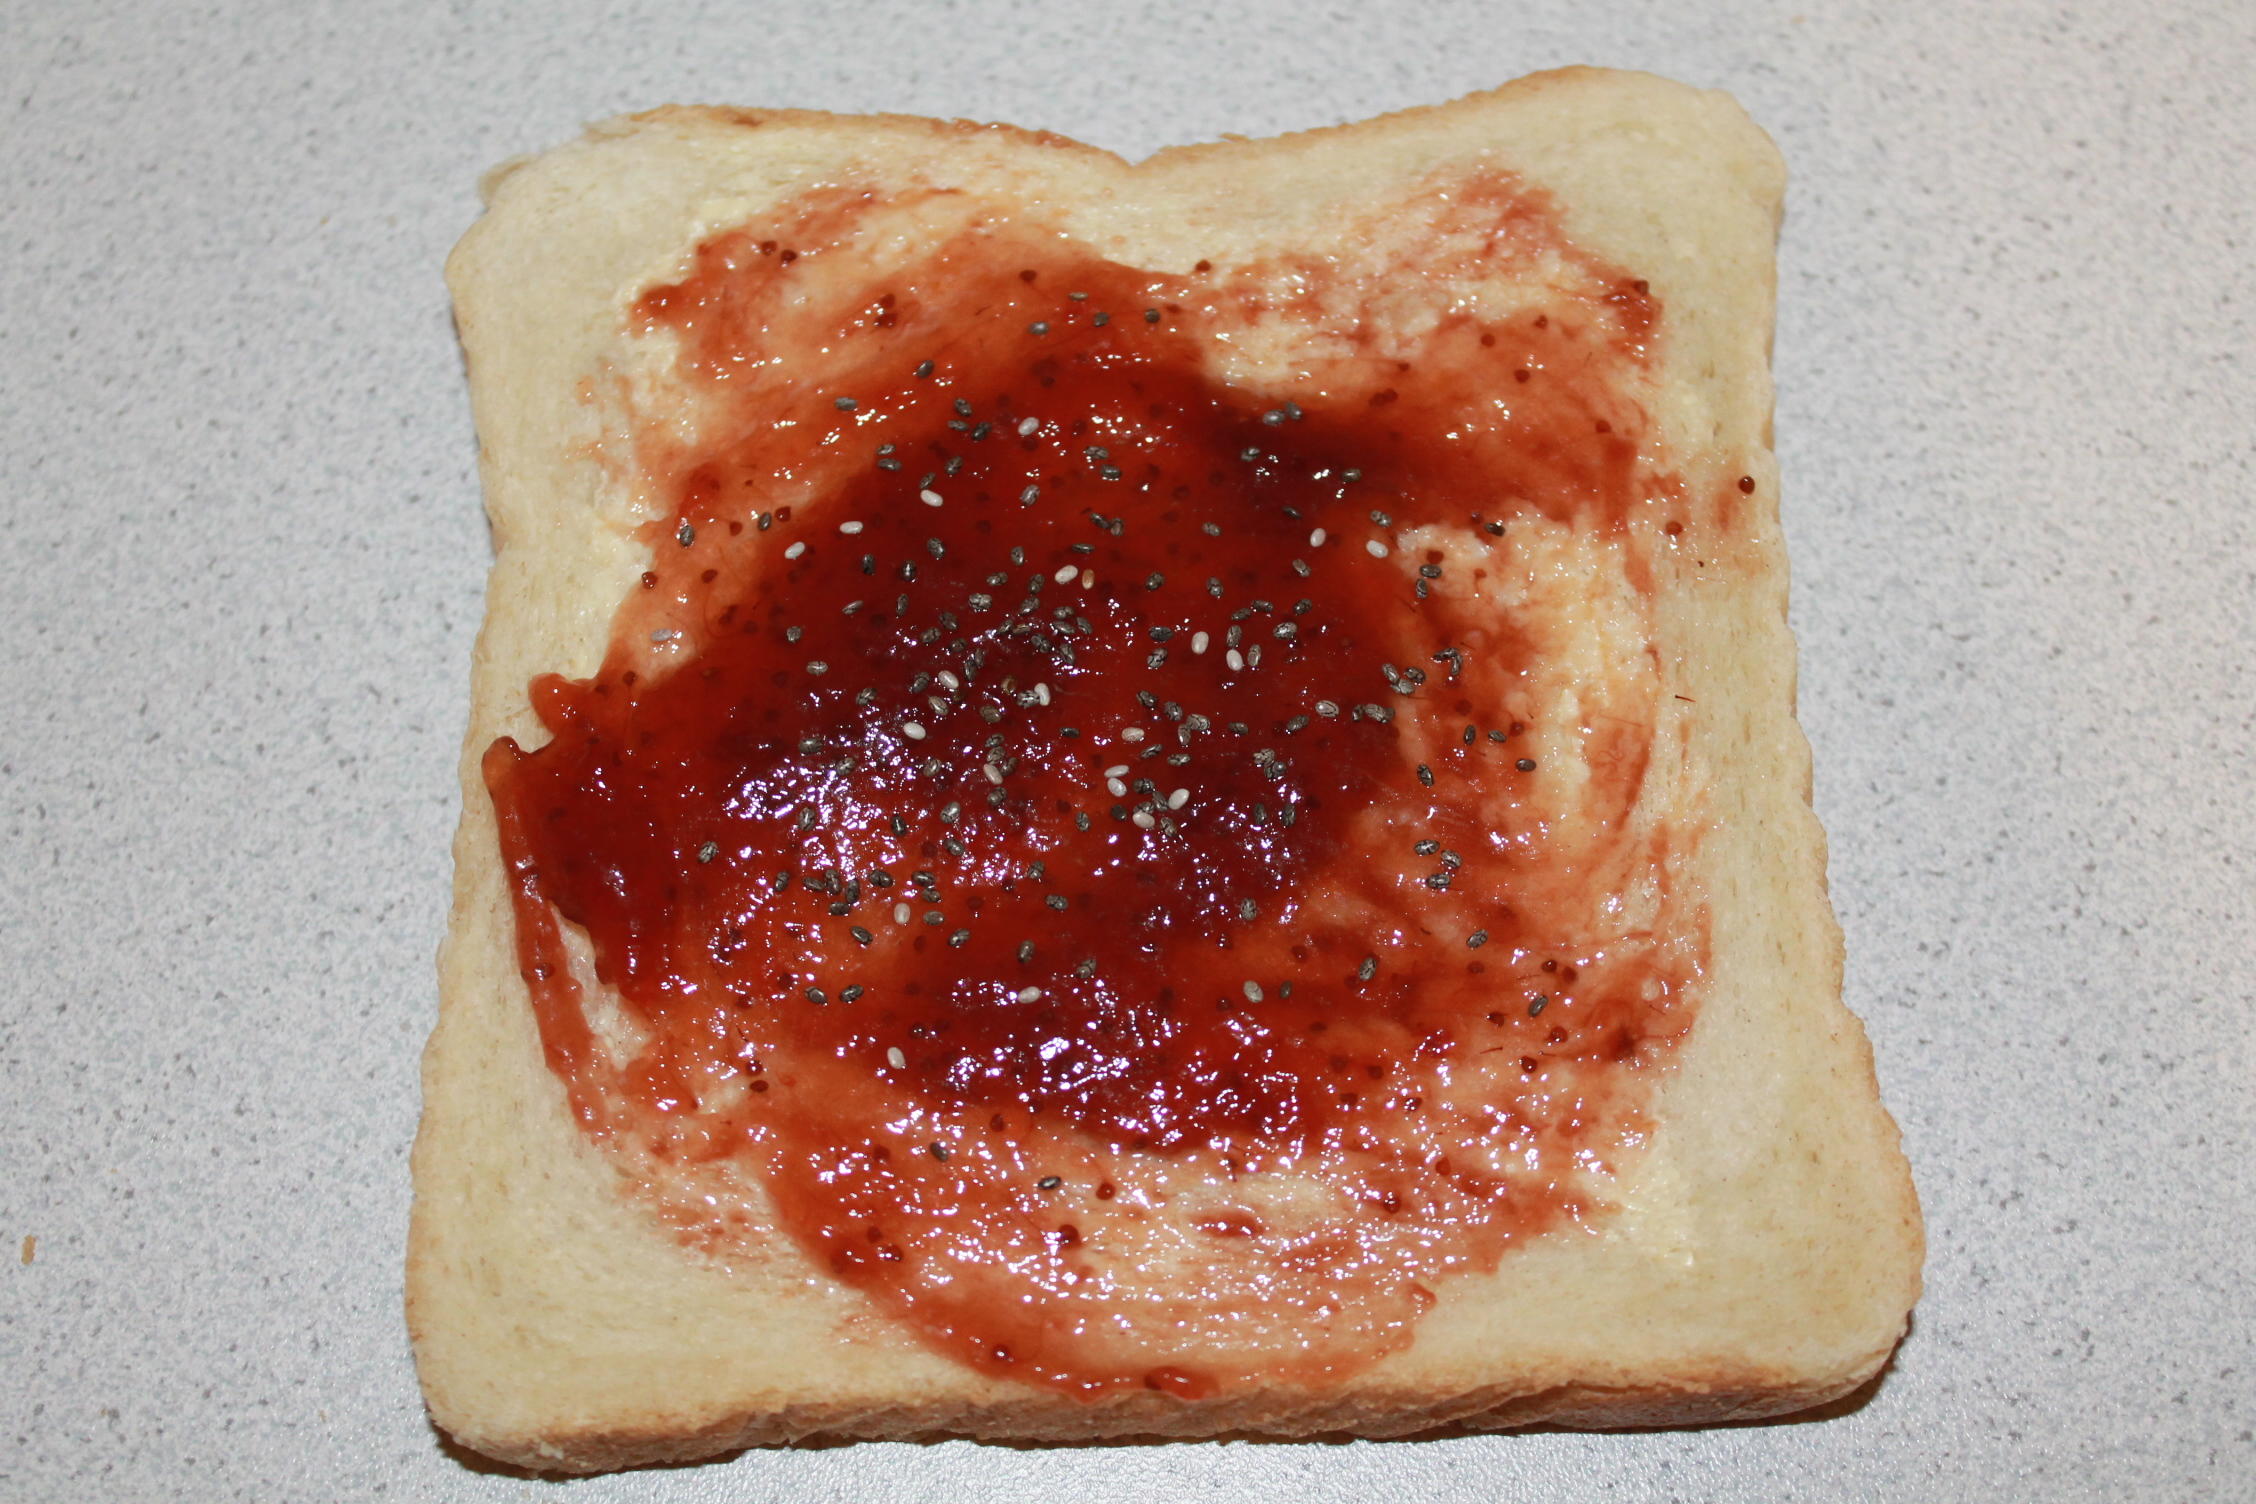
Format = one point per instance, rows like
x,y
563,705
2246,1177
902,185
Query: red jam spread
x,y
1122,814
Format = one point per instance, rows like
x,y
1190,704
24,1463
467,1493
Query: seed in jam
x,y
1040,812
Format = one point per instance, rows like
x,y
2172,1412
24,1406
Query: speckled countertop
x,y
243,556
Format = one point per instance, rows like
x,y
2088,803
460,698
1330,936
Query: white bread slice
x,y
1758,1255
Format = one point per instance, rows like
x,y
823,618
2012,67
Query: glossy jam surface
x,y
1127,809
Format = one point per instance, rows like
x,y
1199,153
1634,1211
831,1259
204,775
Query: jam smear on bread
x,y
1131,810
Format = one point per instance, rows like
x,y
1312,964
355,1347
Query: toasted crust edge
x,y
1714,1397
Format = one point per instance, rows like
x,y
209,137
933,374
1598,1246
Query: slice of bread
x,y
1692,1206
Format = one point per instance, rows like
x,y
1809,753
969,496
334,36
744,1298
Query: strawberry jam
x,y
1127,811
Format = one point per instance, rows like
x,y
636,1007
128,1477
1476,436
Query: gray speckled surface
x,y
244,552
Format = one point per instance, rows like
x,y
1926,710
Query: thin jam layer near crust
x,y
1133,814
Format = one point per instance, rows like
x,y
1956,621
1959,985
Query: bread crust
x,y
1768,1248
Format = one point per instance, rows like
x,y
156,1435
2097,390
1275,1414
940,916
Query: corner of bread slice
x,y
1606,119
